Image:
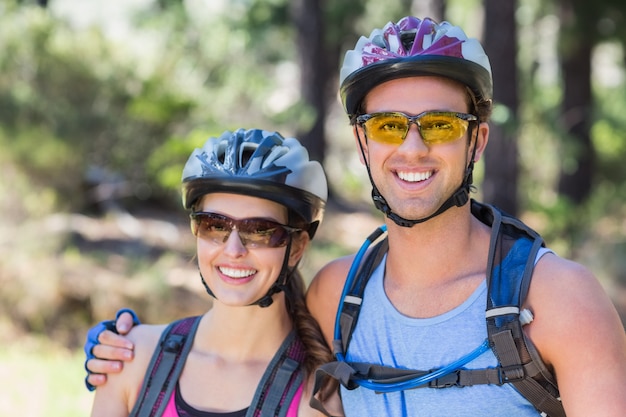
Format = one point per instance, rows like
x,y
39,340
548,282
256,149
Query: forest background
x,y
102,102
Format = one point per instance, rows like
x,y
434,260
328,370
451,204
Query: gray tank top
x,y
384,336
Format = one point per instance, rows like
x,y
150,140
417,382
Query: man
x,y
418,95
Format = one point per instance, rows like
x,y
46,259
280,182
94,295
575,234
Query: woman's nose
x,y
234,245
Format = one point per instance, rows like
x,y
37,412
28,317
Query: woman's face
x,y
237,273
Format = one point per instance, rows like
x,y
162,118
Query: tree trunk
x,y
315,78
435,9
578,155
501,157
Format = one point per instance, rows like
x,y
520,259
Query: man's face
x,y
415,178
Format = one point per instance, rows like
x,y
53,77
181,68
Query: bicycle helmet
x,y
413,47
261,164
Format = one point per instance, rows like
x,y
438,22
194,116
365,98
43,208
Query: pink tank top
x,y
170,410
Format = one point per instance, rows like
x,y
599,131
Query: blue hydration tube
x,y
351,275
410,383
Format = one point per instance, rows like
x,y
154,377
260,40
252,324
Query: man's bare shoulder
x,y
565,295
323,294
333,274
573,285
579,334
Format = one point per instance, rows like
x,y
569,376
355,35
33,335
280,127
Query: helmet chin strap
x,y
458,199
278,286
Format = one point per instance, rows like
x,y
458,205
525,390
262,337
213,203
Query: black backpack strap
x,y
351,306
521,376
513,251
281,380
348,373
350,309
165,367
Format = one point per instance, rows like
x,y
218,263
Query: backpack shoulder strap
x,y
350,309
351,305
513,251
165,367
281,380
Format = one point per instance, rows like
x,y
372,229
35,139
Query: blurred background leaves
x,y
101,104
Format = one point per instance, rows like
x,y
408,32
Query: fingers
x,y
103,367
108,358
124,323
105,350
96,380
113,340
113,348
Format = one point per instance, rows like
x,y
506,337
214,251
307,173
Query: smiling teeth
x,y
237,273
415,176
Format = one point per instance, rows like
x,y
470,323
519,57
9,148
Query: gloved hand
x,y
94,333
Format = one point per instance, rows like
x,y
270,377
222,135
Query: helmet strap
x,y
206,286
278,286
458,199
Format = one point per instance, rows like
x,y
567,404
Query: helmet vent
x,y
408,39
245,156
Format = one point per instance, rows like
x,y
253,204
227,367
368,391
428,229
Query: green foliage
x,y
600,20
259,13
608,135
69,102
49,161
74,101
167,161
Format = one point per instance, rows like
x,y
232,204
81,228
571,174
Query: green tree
x,y
69,104
583,26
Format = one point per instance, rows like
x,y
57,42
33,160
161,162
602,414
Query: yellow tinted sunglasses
x,y
434,126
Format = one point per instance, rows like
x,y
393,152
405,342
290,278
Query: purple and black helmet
x,y
413,47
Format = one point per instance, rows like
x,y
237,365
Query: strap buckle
x,y
512,373
173,343
445,381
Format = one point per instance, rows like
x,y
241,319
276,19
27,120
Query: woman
x,y
256,200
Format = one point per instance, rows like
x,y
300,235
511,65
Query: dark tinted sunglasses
x,y
253,232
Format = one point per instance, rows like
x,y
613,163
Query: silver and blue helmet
x,y
262,164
